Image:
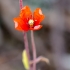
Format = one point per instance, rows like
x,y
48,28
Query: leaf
x,y
25,60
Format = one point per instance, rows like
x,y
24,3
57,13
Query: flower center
x,y
31,22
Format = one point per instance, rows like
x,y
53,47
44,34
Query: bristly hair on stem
x,y
26,45
20,3
25,38
34,50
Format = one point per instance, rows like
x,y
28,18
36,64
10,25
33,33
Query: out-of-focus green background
x,y
52,41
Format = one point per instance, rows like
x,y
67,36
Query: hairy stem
x,y
26,45
25,39
20,3
41,58
34,50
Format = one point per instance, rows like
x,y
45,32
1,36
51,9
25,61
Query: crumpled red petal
x,y
38,16
36,27
20,24
26,13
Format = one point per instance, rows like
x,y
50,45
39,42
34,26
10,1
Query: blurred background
x,y
52,41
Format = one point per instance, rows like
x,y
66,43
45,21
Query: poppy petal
x,y
36,27
38,16
17,27
20,25
26,13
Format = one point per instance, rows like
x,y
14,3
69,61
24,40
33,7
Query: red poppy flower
x,y
26,21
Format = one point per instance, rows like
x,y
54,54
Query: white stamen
x,y
31,22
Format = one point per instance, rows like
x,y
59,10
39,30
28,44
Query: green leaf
x,y
25,60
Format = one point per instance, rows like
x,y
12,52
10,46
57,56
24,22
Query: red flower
x,y
26,21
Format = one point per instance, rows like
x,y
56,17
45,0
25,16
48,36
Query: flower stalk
x,y
34,50
20,3
25,38
26,45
